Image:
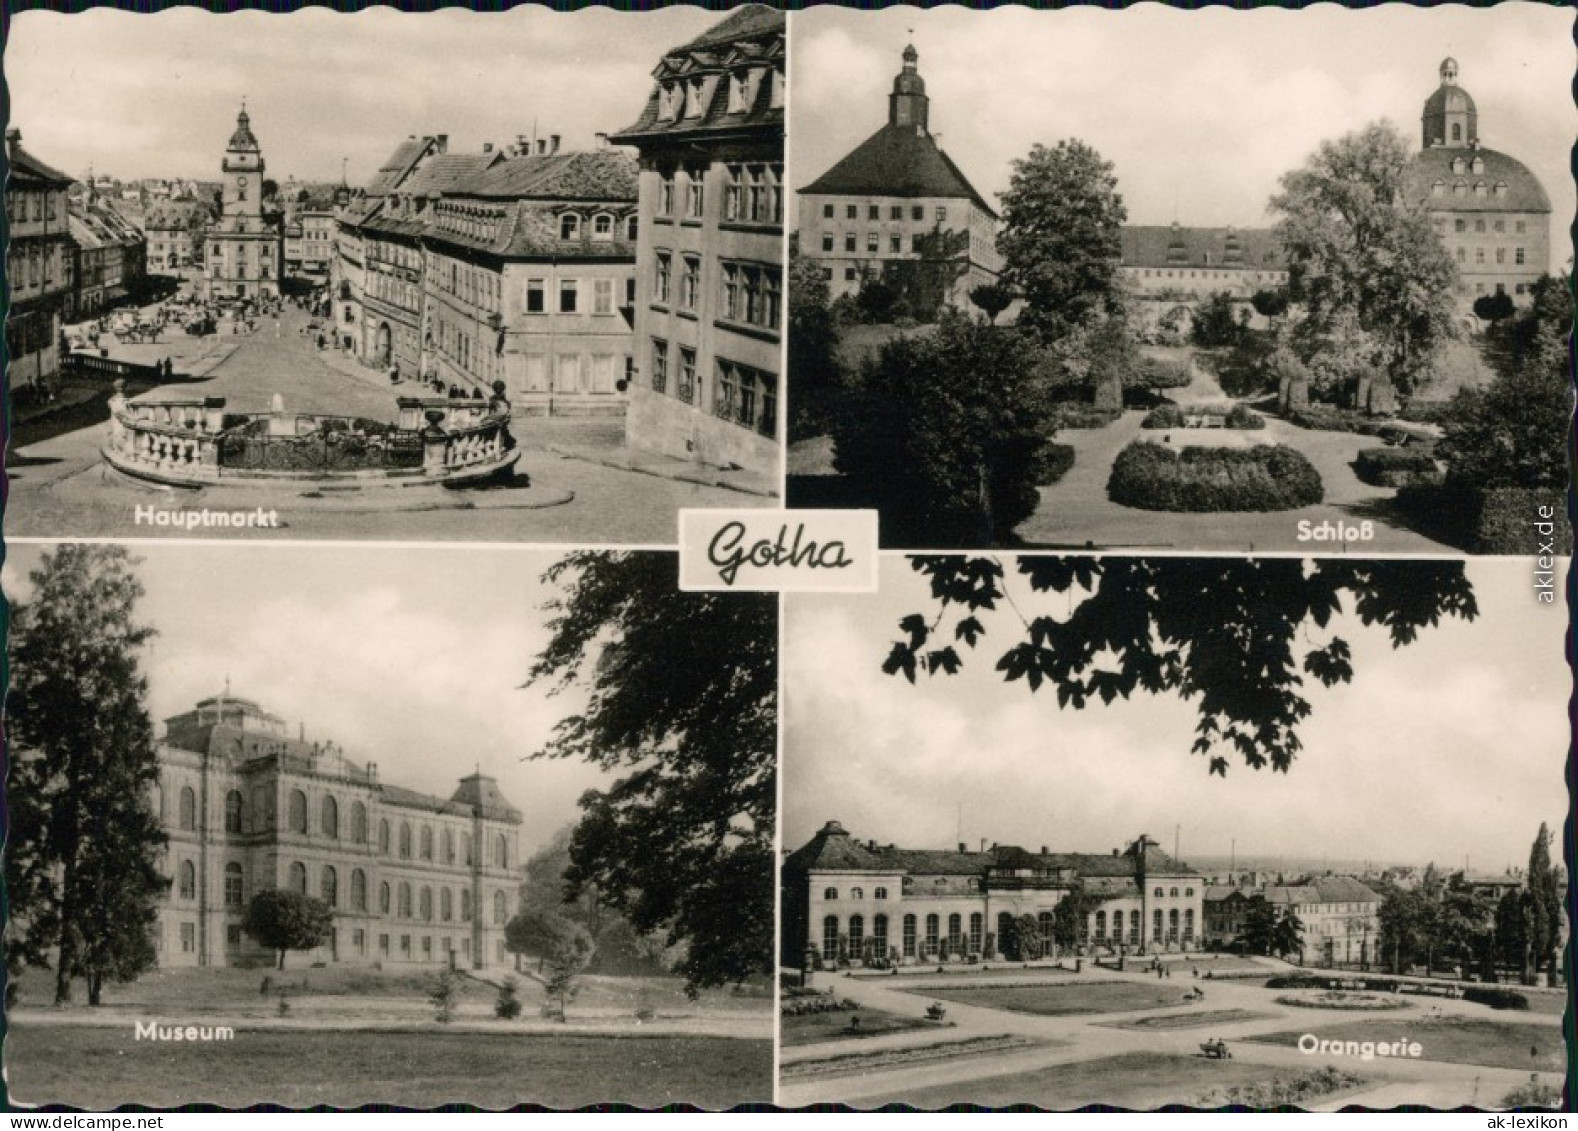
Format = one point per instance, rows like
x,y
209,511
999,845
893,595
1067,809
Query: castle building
x,y
411,877
1168,271
1492,213
38,267
921,905
709,281
242,255
895,197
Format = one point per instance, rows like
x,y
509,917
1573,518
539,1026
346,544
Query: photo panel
x,y
305,826
446,276
1169,280
1138,832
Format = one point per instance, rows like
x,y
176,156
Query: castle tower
x,y
1450,118
908,104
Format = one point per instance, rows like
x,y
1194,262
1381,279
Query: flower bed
x,y
1396,467
811,1006
1342,999
1204,480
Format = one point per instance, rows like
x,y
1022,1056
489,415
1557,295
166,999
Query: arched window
x,y
1188,891
331,817
1046,920
1438,189
383,899
1189,924
188,812
358,890
1158,893
1479,165
880,893
403,908
233,811
465,906
569,226
933,930
1101,926
602,226
405,840
298,812
425,904
1172,892
1172,925
879,935
977,925
449,846
1117,926
446,904
1457,131
857,893
500,909
427,843
383,837
830,937
298,878
465,847
330,886
234,895
358,823
188,880
829,893
909,936
501,851
857,934
955,933
1156,925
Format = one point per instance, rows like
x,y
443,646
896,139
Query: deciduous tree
x,y
681,695
815,372
83,840
287,920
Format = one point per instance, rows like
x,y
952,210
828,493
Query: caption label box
x,y
778,551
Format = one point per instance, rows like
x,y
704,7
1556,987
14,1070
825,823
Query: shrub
x,y
1242,416
1394,467
813,1006
1506,521
1425,412
1164,416
1204,480
1053,463
1159,373
1083,416
1327,418
507,1006
1496,997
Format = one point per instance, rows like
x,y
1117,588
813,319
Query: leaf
x,y
945,658
969,630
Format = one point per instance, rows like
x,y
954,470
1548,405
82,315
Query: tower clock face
x,y
241,181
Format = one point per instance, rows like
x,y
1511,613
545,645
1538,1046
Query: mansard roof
x,y
1161,245
902,161
1524,193
602,175
28,171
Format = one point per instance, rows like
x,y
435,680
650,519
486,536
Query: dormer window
x,y
669,102
602,226
1479,189
1501,189
1438,189
693,99
1479,165
570,226
1459,165
739,92
777,102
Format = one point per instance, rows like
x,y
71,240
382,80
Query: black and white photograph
x,y
501,278
1152,831
340,826
1166,280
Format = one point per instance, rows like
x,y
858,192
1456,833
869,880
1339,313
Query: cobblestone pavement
x,y
60,488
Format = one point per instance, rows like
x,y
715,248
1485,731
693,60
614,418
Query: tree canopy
x,y
83,841
1237,637
681,695
1367,268
287,920
813,349
1061,237
944,434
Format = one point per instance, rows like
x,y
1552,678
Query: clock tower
x,y
243,169
243,256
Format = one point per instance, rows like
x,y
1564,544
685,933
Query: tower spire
x,y
908,106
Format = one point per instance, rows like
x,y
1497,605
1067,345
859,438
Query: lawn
x,y
1141,1081
303,1068
1189,1020
1057,1000
1455,1040
815,1028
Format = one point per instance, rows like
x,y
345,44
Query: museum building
x,y
915,905
411,877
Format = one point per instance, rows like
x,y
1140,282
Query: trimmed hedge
x,y
1325,418
1083,416
1165,416
1244,417
1394,467
1496,997
1507,517
1159,373
1053,463
1205,480
812,1006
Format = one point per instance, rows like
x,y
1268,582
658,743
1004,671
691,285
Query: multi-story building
x,y
1491,212
176,231
410,877
1339,917
898,197
109,258
38,267
529,278
918,905
709,284
242,257
1168,270
309,244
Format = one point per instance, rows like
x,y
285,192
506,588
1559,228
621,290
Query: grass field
x,y
818,1027
1141,1081
1058,1000
98,1068
1456,1040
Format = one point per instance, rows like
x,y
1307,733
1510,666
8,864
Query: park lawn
x,y
815,1028
96,1069
221,989
1455,1040
1174,1021
1138,1081
1058,1000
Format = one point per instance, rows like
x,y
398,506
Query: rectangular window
x,y
695,192
659,365
405,945
690,285
567,296
660,281
896,212
1519,226
895,244
686,388
873,243
536,303
603,370
569,375
1517,256
603,296
665,200
851,212
827,241
942,214
1501,255
188,937
849,242
874,212
827,211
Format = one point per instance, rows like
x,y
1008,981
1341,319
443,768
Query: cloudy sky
x,y
1200,111
156,95
1452,746
411,658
